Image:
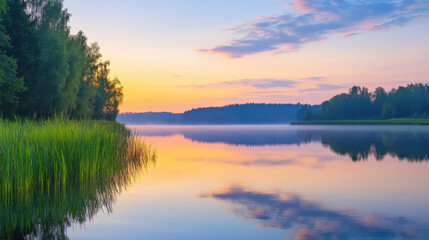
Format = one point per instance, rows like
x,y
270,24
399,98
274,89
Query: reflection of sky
x,y
165,203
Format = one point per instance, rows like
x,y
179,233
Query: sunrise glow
x,y
178,55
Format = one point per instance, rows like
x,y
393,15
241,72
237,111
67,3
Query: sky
x,y
175,55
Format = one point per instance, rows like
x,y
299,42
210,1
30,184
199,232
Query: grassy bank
x,y
48,154
54,174
398,121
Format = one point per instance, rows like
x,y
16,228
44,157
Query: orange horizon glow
x,y
155,58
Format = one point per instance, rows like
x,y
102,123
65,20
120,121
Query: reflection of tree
x,y
359,145
49,209
356,142
243,136
310,220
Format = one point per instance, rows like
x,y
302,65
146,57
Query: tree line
x,y
402,102
46,71
249,113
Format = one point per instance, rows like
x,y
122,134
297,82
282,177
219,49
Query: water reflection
x,y
357,142
411,145
49,209
311,220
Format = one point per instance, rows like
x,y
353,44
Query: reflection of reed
x,y
311,220
47,207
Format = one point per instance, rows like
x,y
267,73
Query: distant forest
x,y
46,71
411,101
251,113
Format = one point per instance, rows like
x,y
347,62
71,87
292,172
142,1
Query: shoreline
x,y
402,121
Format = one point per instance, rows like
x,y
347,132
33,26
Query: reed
x,y
42,155
56,173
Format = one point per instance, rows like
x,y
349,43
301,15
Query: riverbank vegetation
x,y
404,105
46,71
49,154
57,173
394,121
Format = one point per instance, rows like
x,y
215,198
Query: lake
x,y
274,182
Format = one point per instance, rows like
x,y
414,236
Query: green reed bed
x,y
57,173
49,154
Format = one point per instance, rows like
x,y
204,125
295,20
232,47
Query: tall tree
x,y
109,95
76,65
10,84
61,73
25,49
88,86
379,98
52,25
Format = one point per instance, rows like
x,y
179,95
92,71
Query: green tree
x,y
76,60
379,98
10,84
88,84
302,111
53,29
109,95
308,115
60,73
25,49
356,104
388,111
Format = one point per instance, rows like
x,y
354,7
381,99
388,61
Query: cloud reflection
x,y
258,162
311,220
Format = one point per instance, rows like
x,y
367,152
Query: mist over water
x,y
276,182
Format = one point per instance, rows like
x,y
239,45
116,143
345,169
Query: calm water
x,y
274,182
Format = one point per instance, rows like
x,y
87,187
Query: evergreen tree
x,y
379,98
10,84
46,71
308,115
25,49
388,111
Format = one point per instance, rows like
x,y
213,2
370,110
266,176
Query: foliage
x,y
10,84
355,104
48,70
388,111
403,102
108,95
393,121
55,173
251,113
308,115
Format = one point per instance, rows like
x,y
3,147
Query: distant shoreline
x,y
399,121
201,124
250,113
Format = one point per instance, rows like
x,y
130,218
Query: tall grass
x,y
57,172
